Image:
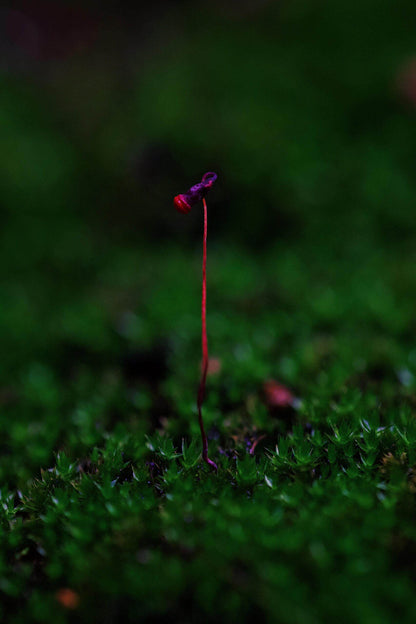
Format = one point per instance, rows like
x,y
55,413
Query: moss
x,y
106,511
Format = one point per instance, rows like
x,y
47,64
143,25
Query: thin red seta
x,y
205,358
253,446
183,203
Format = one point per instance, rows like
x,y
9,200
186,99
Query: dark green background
x,y
307,111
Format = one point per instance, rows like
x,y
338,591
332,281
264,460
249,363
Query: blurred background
x,y
304,108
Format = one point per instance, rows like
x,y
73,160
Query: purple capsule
x,y
184,201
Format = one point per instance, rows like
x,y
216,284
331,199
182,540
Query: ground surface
x,y
107,513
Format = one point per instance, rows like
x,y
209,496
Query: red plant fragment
x,y
214,366
406,81
67,598
277,395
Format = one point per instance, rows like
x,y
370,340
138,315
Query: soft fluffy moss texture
x,y
107,513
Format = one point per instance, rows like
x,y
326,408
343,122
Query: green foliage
x,y
162,446
311,517
328,503
191,454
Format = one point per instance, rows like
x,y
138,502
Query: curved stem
x,y
201,389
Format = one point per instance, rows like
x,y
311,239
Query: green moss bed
x,y
107,513
106,509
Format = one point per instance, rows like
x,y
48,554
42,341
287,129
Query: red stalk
x,y
201,389
183,203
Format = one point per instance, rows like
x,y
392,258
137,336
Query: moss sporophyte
x,y
183,203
